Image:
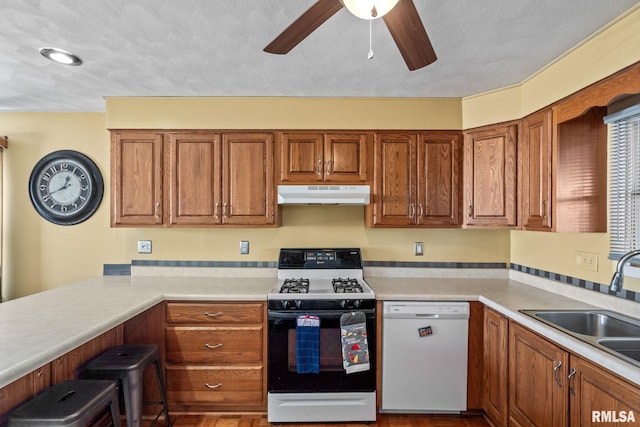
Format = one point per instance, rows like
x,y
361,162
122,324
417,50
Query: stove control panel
x,y
318,305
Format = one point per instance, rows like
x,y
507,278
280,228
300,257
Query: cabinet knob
x,y
470,211
215,210
319,168
206,313
214,346
207,385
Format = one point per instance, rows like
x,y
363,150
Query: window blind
x,y
624,181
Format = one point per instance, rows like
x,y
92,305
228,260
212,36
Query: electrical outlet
x,y
144,246
418,248
587,260
244,247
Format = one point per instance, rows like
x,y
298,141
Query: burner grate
x,y
295,286
346,286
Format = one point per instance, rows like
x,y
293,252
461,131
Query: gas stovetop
x,y
312,278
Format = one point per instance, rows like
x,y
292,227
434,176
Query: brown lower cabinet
x,y
495,374
215,356
547,385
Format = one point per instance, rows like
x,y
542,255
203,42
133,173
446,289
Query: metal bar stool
x,y
126,364
70,403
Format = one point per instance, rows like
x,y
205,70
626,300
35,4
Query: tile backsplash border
x,y
125,270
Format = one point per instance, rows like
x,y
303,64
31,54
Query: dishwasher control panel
x,y
426,309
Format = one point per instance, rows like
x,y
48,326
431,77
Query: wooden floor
x,y
384,420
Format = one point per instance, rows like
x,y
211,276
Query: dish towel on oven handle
x,y
355,346
308,344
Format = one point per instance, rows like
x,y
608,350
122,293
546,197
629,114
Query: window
x,y
624,182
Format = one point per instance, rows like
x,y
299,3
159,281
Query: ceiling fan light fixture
x,y
369,9
60,56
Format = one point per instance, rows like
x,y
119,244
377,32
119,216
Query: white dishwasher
x,y
424,356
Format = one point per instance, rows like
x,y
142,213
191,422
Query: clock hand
x,y
67,184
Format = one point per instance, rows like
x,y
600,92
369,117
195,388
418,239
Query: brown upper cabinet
x,y
312,157
212,178
490,176
137,178
564,158
416,179
536,163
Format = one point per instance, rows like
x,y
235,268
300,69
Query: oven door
x,y
281,361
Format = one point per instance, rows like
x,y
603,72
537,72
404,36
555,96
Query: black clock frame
x,y
95,198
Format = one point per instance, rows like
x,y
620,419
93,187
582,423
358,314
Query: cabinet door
x,y
346,157
438,179
394,191
301,157
195,179
538,373
247,179
67,366
23,389
496,367
136,178
490,177
597,396
536,171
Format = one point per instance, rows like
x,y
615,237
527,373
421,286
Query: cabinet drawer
x,y
215,313
209,384
201,344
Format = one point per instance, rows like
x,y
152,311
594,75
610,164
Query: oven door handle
x,y
321,314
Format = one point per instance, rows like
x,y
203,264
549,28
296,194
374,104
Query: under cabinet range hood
x,y
355,195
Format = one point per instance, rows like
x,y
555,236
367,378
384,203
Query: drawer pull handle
x,y
213,346
206,313
213,386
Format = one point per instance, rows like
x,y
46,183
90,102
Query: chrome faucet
x,y
618,277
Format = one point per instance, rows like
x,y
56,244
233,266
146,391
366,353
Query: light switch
x,y
244,247
418,248
144,246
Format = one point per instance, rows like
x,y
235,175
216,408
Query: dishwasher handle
x,y
440,316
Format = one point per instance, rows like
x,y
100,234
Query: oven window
x,y
330,350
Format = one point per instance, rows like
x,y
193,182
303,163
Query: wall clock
x,y
66,187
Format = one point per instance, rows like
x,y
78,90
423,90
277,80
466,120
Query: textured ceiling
x,y
214,48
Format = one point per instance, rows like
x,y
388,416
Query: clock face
x,y
66,187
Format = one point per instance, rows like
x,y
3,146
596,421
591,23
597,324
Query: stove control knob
x,y
298,304
285,304
356,303
343,303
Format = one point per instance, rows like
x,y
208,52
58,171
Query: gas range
x,y
320,279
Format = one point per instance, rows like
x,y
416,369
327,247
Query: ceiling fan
x,y
402,20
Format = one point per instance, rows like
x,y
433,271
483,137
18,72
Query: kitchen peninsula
x,y
39,328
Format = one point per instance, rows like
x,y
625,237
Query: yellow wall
x,y
39,255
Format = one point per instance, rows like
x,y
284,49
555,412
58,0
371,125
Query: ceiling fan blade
x,y
304,25
405,26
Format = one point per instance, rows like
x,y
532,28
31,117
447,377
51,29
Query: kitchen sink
x,y
629,347
592,323
609,331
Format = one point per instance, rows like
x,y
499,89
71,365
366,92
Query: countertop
x,y
36,329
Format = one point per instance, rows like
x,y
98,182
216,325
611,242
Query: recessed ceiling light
x,y
60,56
